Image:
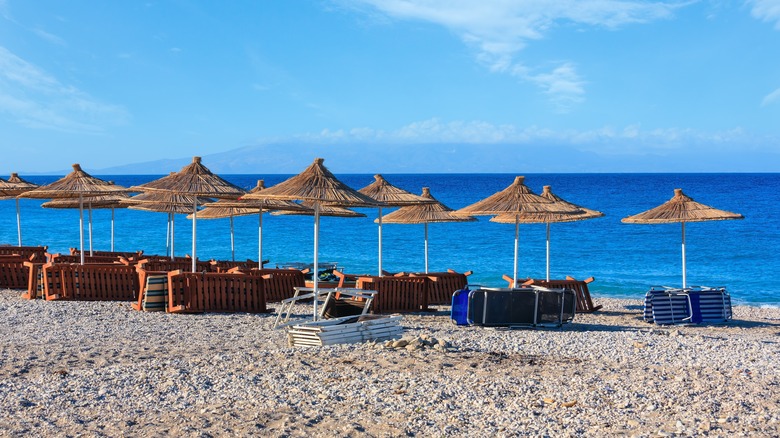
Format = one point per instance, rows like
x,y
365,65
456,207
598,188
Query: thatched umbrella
x,y
515,199
166,202
431,211
197,180
549,217
681,208
390,196
243,207
76,184
100,202
13,187
325,210
317,184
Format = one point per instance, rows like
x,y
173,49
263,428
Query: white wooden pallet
x,y
336,331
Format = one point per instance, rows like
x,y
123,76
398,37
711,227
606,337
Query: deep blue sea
x,y
625,259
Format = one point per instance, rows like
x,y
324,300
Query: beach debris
x,y
421,342
548,400
569,404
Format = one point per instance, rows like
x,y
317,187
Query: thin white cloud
x,y
766,10
30,97
54,39
771,98
499,29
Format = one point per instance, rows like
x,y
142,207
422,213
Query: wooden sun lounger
x,y
444,284
60,258
580,288
66,281
215,292
25,251
131,255
225,265
280,284
397,294
167,265
14,274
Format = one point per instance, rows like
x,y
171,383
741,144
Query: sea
x,y
624,259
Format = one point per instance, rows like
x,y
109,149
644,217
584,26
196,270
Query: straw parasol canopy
x,y
76,184
229,208
113,201
429,212
325,210
388,195
515,199
547,218
13,187
681,208
197,180
317,184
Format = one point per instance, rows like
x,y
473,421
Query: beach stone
x,y
400,343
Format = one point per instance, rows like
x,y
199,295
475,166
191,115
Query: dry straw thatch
x,y
579,214
93,202
244,207
430,212
15,185
316,183
73,185
325,210
193,179
515,199
390,195
681,208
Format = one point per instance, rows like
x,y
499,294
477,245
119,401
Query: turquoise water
x,y
625,259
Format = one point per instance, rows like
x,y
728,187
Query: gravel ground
x,y
102,369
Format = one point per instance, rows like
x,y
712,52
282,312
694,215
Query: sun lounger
x,y
580,288
443,285
13,271
94,282
179,264
25,251
517,307
397,294
695,305
335,303
200,292
279,283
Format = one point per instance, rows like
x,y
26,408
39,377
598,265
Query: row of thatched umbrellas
x,y
321,193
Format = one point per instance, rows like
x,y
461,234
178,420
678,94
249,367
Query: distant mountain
x,y
291,158
287,158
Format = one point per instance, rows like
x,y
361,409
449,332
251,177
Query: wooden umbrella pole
x,y
548,251
315,273
426,247
18,223
517,238
260,239
194,233
81,228
112,229
683,256
379,219
232,240
173,236
89,227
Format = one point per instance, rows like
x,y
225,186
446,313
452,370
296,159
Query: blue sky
x,y
109,83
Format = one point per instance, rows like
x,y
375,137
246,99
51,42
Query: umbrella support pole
x,y
194,234
379,220
18,223
89,227
232,241
517,238
315,271
112,229
173,235
683,257
168,236
81,228
426,247
548,251
260,239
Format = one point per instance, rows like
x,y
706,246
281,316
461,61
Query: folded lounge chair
x,y
694,305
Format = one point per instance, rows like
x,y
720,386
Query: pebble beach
x,y
103,369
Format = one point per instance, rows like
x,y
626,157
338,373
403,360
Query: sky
x,y
111,83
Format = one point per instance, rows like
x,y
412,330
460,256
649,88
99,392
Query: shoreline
x,y
100,368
